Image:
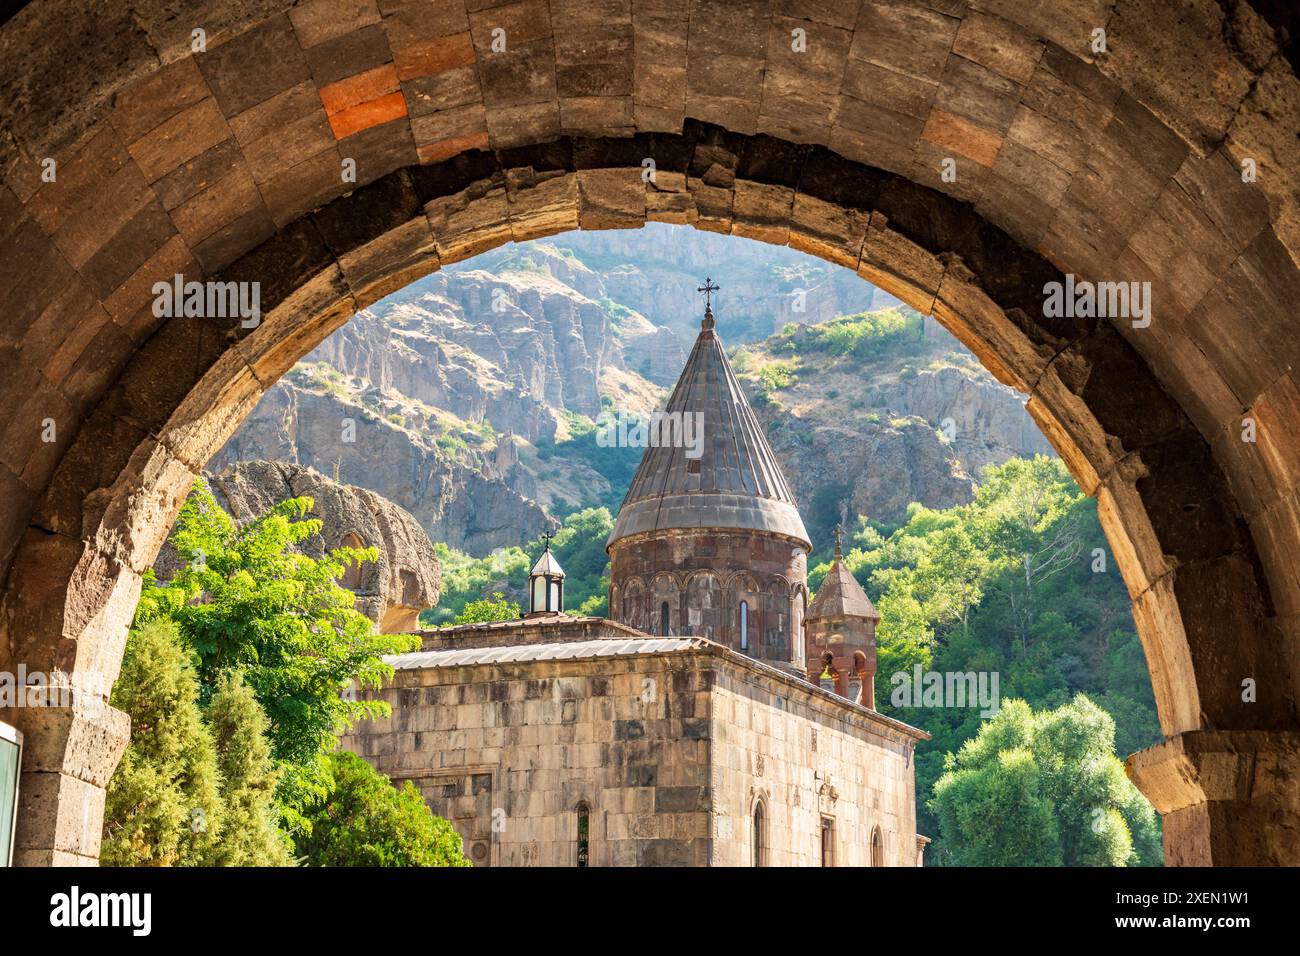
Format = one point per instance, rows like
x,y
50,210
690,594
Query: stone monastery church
x,y
716,718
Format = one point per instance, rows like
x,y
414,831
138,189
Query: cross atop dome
x,y
708,289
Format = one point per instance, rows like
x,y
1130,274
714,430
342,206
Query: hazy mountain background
x,y
473,391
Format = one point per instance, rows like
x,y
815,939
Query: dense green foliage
x,y
1044,789
1018,582
271,650
366,821
191,789
486,610
579,546
867,335
244,599
250,836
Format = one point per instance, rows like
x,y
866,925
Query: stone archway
x,y
1125,165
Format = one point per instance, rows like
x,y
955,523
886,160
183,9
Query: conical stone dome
x,y
734,483
841,596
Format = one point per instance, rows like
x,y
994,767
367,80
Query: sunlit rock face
x,y
392,590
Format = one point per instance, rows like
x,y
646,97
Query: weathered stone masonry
x,y
670,748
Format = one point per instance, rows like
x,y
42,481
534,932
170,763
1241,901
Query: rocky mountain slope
x,y
439,397
649,276
468,397
910,418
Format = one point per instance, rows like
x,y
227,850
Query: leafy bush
x,y
868,335
1044,789
364,820
777,376
487,610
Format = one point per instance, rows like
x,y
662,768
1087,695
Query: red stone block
x,y
362,88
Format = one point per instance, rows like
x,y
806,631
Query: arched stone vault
x,y
226,164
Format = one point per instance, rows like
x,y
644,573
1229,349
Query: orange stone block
x,y
962,136
362,88
365,115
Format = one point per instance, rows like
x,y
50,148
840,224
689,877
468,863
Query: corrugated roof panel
x,y
567,650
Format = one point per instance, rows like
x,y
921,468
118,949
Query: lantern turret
x,y
546,585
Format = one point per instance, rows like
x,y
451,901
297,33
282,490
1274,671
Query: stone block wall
x,y
668,751
508,752
807,758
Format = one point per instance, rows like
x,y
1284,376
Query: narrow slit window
x,y
584,835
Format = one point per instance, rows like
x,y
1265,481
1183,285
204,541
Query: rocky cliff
x,y
391,591
439,396
428,462
459,397
656,270
873,434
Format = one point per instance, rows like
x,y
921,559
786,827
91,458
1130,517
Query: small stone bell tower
x,y
842,634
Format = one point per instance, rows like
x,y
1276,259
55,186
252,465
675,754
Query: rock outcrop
x,y
984,420
429,464
871,468
391,591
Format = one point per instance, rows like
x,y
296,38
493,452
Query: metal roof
x,y
562,651
629,647
735,482
547,564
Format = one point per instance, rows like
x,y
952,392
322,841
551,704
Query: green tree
x,y
366,821
999,814
249,777
1043,789
163,806
951,577
1024,517
487,610
245,600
